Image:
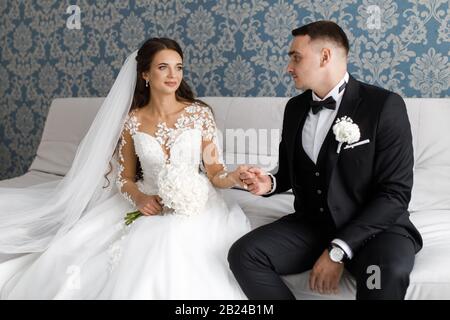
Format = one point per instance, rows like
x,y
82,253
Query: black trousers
x,y
293,244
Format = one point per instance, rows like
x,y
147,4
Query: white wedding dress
x,y
167,256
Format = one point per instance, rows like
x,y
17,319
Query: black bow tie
x,y
328,103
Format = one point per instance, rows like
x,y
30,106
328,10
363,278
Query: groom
x,y
350,200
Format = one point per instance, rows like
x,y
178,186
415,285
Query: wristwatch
x,y
336,253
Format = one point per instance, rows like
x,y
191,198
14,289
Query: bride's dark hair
x,y
142,94
144,58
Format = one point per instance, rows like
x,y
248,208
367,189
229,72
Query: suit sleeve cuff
x,y
344,246
274,186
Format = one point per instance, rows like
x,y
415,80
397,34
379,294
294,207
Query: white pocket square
x,y
356,144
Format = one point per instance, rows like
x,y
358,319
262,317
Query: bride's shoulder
x,y
203,118
134,114
132,121
199,109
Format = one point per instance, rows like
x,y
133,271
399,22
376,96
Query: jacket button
x,y
317,174
319,191
321,209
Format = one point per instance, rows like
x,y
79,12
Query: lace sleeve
x,y
209,129
212,153
127,160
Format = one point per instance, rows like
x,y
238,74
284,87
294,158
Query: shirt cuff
x,y
344,246
274,187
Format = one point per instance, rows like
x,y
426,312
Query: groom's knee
x,y
240,253
234,255
247,253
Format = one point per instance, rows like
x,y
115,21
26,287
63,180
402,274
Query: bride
x,y
69,239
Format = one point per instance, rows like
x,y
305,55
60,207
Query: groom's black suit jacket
x,y
369,186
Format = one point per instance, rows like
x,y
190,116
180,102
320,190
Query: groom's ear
x,y
325,56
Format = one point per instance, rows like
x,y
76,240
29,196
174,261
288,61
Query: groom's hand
x,y
257,180
325,275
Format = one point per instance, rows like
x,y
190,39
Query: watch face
x,y
336,254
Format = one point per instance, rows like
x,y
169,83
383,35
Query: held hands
x,y
236,174
257,180
149,205
325,275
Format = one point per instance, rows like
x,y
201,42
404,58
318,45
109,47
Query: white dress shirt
x,y
317,125
315,130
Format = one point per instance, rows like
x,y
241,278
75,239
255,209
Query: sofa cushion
x,y
249,129
67,123
431,138
261,210
30,178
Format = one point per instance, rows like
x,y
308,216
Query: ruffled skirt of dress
x,y
157,257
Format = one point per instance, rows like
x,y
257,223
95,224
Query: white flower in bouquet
x,y
346,131
183,189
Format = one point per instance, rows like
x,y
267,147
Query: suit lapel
x,y
349,104
299,118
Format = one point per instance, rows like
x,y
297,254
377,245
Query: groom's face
x,y
304,63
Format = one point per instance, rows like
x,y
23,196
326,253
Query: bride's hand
x,y
235,176
149,205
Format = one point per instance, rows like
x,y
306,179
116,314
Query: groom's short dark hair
x,y
324,29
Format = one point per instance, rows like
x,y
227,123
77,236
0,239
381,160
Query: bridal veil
x,y
31,218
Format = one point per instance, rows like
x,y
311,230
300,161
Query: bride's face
x,y
166,72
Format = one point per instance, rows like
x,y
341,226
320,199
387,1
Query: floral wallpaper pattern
x,y
48,49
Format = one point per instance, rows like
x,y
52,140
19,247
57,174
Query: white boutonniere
x,y
346,132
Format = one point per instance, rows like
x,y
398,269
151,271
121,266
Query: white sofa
x,y
69,119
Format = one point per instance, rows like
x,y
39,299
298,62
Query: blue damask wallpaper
x,y
53,48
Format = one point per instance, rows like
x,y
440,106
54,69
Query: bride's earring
x,y
146,83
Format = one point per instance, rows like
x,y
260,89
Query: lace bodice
x,y
178,145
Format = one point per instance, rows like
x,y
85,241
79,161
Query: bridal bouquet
x,y
181,188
